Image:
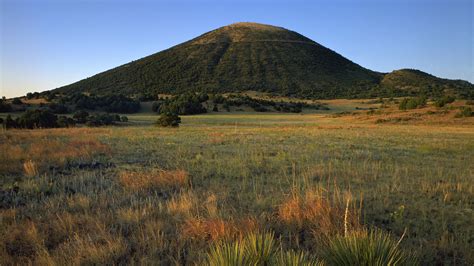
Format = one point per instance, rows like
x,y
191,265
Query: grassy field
x,y
143,194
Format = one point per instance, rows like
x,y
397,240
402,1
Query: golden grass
x,y
214,229
33,151
30,168
316,212
182,204
22,244
153,179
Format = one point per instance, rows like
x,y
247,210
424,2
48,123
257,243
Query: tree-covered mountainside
x,y
414,82
240,57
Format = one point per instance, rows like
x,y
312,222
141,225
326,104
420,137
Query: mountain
x,y
239,57
415,81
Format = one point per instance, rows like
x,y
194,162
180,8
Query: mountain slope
x,y
238,57
415,81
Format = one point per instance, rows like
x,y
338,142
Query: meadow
x,y
149,195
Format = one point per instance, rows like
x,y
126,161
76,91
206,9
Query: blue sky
x,y
45,44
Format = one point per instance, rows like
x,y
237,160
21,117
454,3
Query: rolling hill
x,y
246,56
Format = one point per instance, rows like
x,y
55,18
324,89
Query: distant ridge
x,y
251,56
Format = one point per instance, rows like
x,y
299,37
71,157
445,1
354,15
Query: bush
x,y
64,121
168,120
37,119
364,247
4,106
440,102
58,108
81,116
464,112
17,101
100,120
124,119
185,104
412,103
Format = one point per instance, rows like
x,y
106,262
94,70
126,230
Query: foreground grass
x,y
151,195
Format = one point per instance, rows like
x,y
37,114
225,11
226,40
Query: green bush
x,y
124,119
168,120
184,104
81,116
37,119
440,102
412,103
372,247
464,111
100,120
64,121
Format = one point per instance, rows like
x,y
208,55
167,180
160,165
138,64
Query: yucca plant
x,y
296,258
373,247
260,248
253,249
227,254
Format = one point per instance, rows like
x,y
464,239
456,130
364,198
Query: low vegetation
x,y
270,188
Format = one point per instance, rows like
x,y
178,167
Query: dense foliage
x,y
184,104
262,105
168,120
115,103
412,103
42,118
4,106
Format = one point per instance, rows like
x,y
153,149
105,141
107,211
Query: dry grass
x,y
34,151
182,205
315,211
154,179
30,168
214,229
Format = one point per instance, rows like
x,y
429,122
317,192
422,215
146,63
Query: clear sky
x,y
46,44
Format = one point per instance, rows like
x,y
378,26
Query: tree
x,y
17,101
81,116
168,120
64,121
37,119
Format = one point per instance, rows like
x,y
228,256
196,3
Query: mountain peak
x,y
250,32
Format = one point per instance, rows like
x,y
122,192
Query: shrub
x,y
364,247
17,101
37,119
440,102
464,112
168,120
184,104
58,108
412,103
81,116
64,121
4,106
101,120
124,119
